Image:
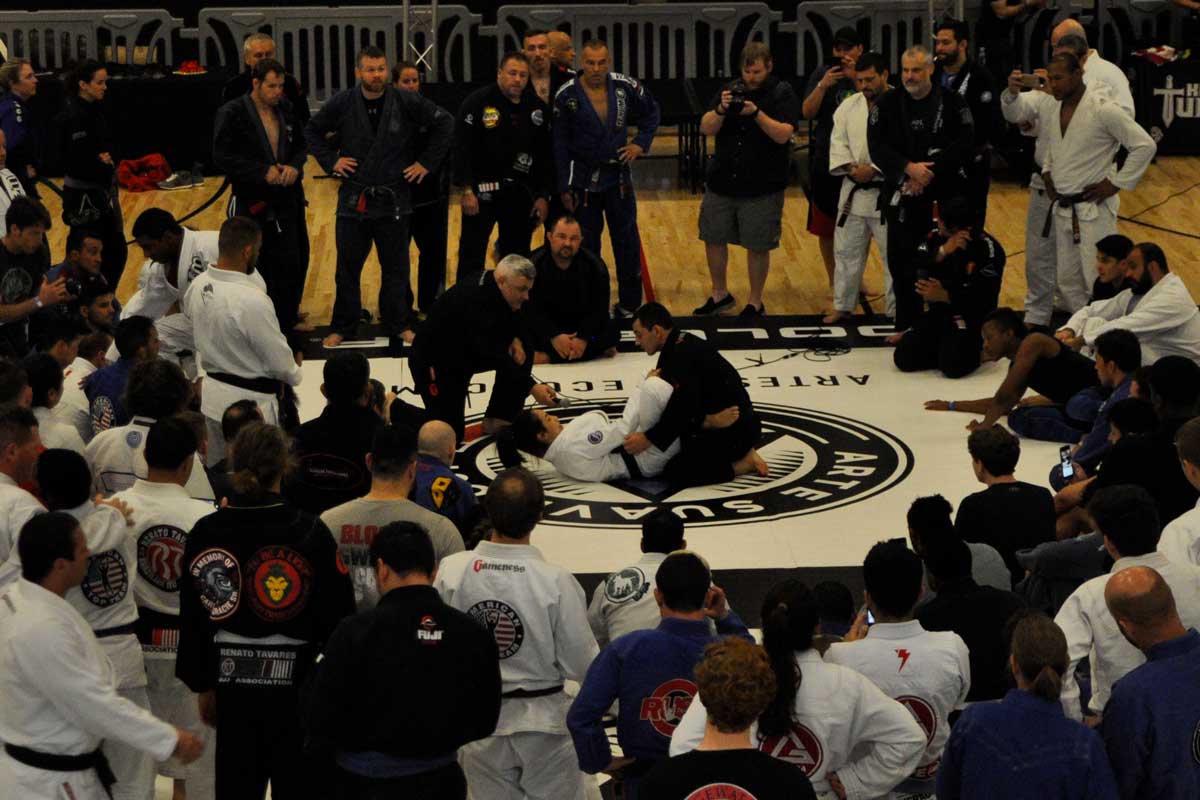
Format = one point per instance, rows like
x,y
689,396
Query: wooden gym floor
x,y
667,217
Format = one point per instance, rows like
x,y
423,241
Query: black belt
x,y
631,464
1065,201
532,692
117,630
260,385
841,223
57,763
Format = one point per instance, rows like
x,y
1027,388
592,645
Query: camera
x,y
73,287
737,101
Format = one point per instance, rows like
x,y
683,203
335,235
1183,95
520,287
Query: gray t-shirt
x,y
355,524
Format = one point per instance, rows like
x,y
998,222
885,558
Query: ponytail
x,y
1039,649
521,435
258,458
1047,685
789,615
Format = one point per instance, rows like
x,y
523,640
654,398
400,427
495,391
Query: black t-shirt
x,y
725,775
746,162
20,279
375,111
823,123
992,31
1009,517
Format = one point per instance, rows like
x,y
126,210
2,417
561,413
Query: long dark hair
x,y
521,435
84,71
789,615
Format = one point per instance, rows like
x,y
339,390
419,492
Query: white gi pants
x,y
1077,262
19,782
173,702
133,768
642,412
522,766
1041,259
215,398
851,243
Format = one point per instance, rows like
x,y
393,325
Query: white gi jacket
x,y
624,602
1098,72
844,725
116,459
155,294
1084,156
847,145
55,433
1180,540
73,407
57,696
537,613
10,188
1164,319
1091,630
929,672
237,332
1036,107
16,507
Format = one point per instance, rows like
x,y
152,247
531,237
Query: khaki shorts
x,y
755,223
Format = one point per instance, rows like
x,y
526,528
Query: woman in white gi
x,y
589,447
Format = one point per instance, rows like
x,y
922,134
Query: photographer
x,y
753,120
958,270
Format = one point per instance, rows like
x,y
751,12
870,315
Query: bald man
x,y
1152,721
437,487
1096,70
562,50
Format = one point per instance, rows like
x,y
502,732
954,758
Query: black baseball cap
x,y
846,37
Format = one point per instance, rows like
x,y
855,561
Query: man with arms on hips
x,y
1070,36
743,201
858,215
58,701
238,341
536,613
1079,175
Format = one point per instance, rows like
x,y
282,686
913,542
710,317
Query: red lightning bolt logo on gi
x,y
902,654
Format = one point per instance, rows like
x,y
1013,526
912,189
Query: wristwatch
x,y
37,302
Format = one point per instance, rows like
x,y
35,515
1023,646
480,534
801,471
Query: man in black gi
x,y
958,270
971,81
920,139
259,144
568,305
477,327
709,411
373,150
502,161
401,687
259,47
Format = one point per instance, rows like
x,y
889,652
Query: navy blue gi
x,y
587,165
1152,723
438,489
651,673
105,391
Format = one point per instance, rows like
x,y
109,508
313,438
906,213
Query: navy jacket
x,y
650,673
585,149
438,489
105,391
1152,723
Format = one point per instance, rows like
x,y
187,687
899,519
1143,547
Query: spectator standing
x,y
18,85
1180,541
536,613
1151,718
1069,36
10,185
24,289
1009,515
436,486
994,31
743,201
1023,748
386,741
260,47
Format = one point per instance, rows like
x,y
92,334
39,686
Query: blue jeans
x,y
1065,424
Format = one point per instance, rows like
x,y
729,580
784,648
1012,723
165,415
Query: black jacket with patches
x,y
977,86
936,128
971,276
331,458
241,148
254,569
498,141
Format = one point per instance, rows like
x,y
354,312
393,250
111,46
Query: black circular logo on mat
x,y
818,461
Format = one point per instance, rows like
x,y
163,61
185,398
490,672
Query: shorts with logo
x,y
755,223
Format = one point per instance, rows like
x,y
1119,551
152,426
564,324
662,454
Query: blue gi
x,y
438,489
105,391
587,165
650,672
1152,723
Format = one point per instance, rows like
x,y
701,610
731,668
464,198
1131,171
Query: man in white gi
x,y
860,217
238,342
162,516
20,445
1079,174
157,389
1070,36
928,672
1180,541
1127,517
536,612
58,700
74,408
46,380
175,256
625,602
1157,308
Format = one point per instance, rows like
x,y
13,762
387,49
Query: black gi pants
x,y
445,783
260,739
706,457
907,226
606,337
429,225
510,208
354,237
444,388
283,262
938,340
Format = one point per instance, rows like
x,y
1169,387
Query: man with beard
x,y
568,305
592,157
1085,134
257,142
920,139
971,81
1157,308
544,80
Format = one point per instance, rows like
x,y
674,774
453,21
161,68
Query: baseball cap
x,y
846,37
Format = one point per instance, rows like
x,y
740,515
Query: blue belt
x,y
373,764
